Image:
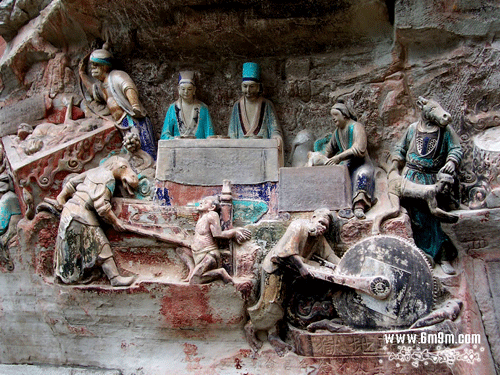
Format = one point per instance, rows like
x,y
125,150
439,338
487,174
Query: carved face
x,y
206,204
187,91
338,118
319,224
23,130
250,89
123,171
433,113
98,71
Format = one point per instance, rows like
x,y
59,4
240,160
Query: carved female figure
x,y
348,145
187,117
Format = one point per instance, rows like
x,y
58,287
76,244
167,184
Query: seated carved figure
x,y
118,91
81,243
348,145
302,239
254,116
203,259
430,146
187,117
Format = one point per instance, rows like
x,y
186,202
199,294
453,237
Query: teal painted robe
x,y
199,126
264,126
424,155
359,165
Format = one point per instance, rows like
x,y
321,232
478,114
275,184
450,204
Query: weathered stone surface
x,y
209,162
53,370
28,111
379,55
42,172
310,188
486,158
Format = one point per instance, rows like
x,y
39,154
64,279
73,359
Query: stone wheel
x,y
412,284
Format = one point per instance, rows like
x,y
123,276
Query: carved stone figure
x,y
187,117
45,135
302,239
254,116
203,258
428,147
450,310
10,212
348,145
118,91
400,188
81,243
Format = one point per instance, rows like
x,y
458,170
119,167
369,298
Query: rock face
x,y
378,55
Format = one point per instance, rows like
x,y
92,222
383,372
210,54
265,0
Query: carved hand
x,y
303,271
118,226
242,235
83,64
333,160
449,167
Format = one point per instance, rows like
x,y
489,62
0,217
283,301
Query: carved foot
x,y
122,280
328,325
447,267
345,213
279,345
109,268
359,213
252,339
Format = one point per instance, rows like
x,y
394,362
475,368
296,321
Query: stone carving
x,y
16,13
400,188
301,146
403,287
254,116
10,212
303,239
81,243
450,310
203,258
187,117
118,91
429,146
348,145
30,140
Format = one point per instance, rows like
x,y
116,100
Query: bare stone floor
x,y
49,370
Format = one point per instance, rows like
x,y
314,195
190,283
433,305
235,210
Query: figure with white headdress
x,y
254,116
118,91
187,117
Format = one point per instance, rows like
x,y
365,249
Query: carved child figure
x,y
81,243
429,147
203,259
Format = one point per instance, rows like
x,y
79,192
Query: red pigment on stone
x,y
44,263
47,236
190,349
187,306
